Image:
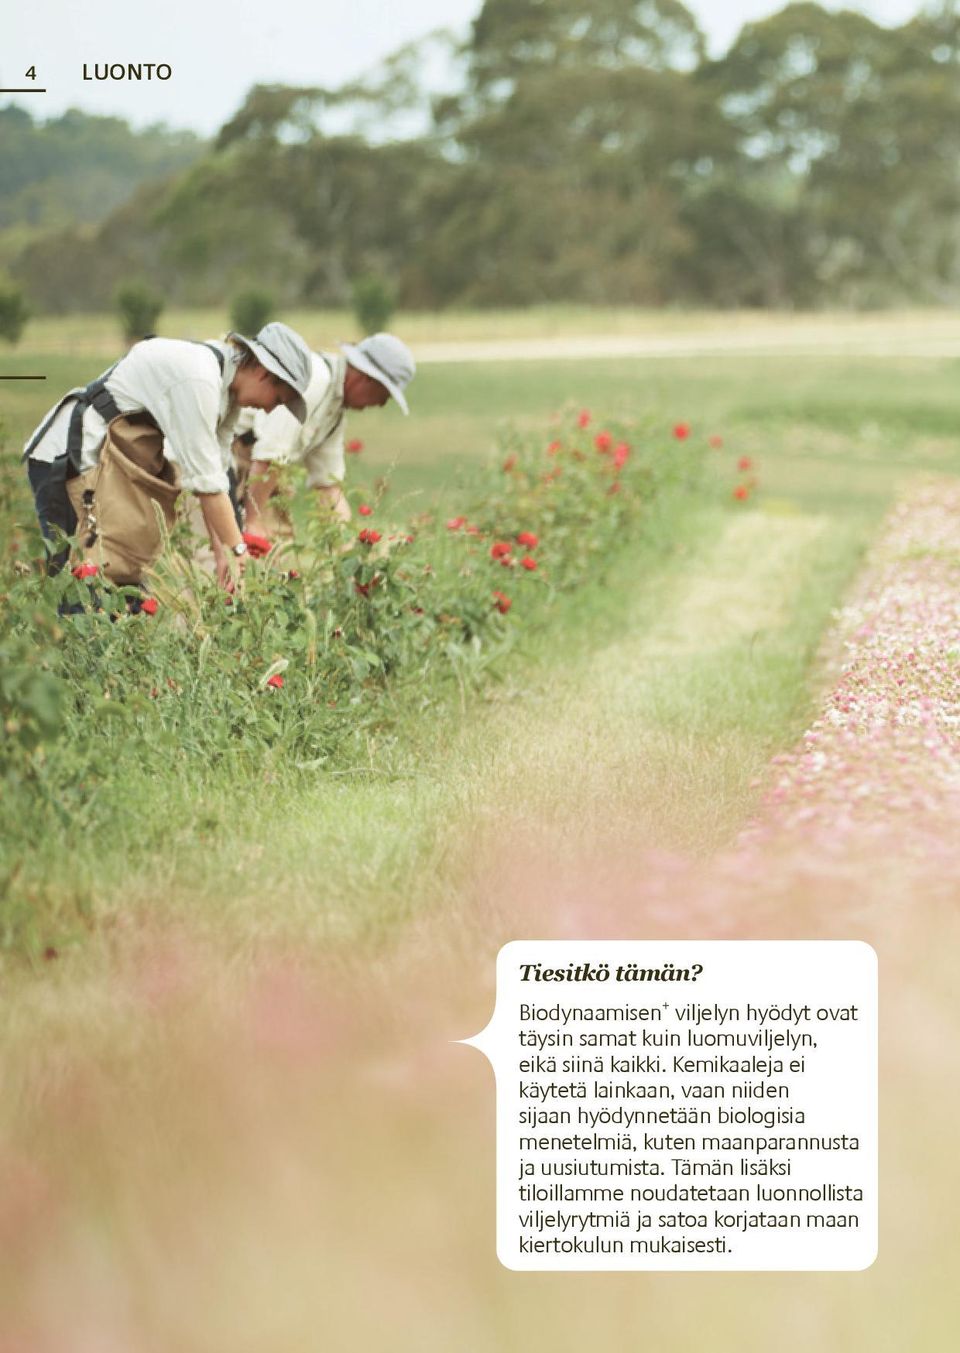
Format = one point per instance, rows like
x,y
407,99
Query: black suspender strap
x,y
216,352
94,396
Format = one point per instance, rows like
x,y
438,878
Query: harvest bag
x,y
118,525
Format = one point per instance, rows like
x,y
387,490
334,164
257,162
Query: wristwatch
x,y
239,549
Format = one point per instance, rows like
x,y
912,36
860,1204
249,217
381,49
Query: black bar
x,y
23,378
23,91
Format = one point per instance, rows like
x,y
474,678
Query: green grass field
x,y
232,1084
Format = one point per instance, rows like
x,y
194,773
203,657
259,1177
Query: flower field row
x,y
879,770
331,640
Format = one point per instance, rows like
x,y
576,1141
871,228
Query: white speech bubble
x,y
688,1105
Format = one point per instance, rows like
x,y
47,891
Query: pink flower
x,y
603,442
553,448
528,563
621,454
368,536
354,446
529,539
681,431
583,418
456,523
744,463
741,493
149,605
276,681
365,510
85,571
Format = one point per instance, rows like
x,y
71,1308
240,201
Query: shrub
x,y
13,312
251,310
139,308
314,663
373,302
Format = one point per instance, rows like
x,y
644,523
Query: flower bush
x,y
353,626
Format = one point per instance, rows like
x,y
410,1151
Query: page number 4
x,y
31,74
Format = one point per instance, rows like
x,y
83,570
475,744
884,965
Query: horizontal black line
x,y
23,378
23,91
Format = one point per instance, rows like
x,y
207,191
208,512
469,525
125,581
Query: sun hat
x,y
284,353
386,359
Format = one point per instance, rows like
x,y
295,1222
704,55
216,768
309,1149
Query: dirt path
x,y
852,336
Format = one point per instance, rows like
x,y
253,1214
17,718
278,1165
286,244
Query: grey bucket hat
x,y
284,353
387,360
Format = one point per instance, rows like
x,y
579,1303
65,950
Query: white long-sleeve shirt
x,y
317,443
182,388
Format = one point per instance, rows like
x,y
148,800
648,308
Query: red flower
x,y
365,510
741,493
583,418
85,571
455,523
362,588
528,563
502,603
744,463
621,455
603,442
553,448
368,536
354,446
681,431
509,463
716,442
149,605
276,681
257,545
500,548
529,539
474,531
293,575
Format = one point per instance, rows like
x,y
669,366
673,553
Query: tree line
x,y
584,152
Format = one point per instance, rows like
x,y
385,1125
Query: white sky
x,y
217,53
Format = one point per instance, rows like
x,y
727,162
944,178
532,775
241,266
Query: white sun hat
x,y
387,360
284,353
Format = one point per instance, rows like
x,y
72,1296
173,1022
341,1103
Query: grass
x,y
236,1089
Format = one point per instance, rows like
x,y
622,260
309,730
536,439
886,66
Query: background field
x,y
232,1084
